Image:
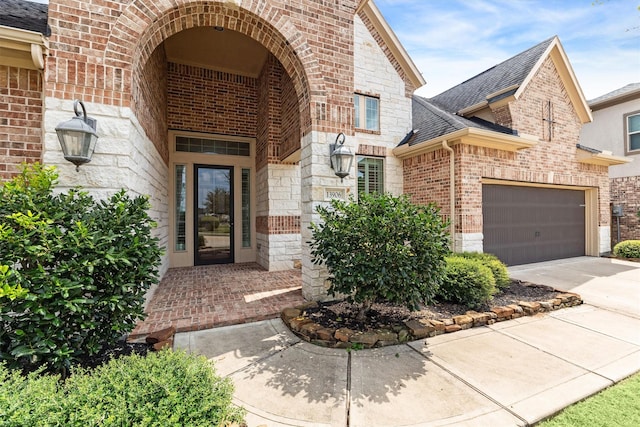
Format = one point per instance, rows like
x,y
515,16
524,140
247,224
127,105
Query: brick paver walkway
x,y
205,297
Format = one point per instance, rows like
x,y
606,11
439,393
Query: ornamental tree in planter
x,y
73,271
381,248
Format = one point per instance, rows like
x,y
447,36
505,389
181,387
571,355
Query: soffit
x,y
226,50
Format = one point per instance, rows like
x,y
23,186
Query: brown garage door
x,y
527,224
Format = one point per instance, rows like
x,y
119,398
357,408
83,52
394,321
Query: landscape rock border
x,y
297,321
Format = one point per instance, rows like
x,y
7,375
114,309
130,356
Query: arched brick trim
x,y
145,24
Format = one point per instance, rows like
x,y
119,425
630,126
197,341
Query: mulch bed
x,y
341,314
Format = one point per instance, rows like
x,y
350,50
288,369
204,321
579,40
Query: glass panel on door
x,y
213,215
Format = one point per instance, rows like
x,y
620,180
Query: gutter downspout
x,y
452,193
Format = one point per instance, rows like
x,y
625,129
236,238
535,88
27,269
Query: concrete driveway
x,y
602,282
512,373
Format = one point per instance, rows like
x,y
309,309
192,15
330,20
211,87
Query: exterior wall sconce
x,y
78,136
341,157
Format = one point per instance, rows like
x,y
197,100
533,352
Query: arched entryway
x,y
228,119
120,62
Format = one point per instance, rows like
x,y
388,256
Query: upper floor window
x,y
633,132
370,175
367,112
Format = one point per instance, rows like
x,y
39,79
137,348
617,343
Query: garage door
x,y
527,224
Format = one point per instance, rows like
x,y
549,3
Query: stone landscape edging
x,y
297,321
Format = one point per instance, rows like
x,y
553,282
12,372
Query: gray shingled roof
x,y
25,15
511,72
430,121
435,117
632,87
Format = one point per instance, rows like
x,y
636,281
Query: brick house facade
x,y
609,132
494,132
223,112
166,78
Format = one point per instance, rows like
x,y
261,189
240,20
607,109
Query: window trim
x,y
360,157
627,141
361,110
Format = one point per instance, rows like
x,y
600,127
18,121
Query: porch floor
x,y
204,297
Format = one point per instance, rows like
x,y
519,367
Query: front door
x,y
213,214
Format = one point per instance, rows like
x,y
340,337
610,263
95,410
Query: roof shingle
x,y
511,72
25,15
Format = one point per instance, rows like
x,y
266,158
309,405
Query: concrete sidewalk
x,y
512,373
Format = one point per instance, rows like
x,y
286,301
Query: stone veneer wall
x,y
278,221
376,75
21,114
625,191
124,158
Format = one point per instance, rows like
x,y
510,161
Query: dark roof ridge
x,y
511,72
546,42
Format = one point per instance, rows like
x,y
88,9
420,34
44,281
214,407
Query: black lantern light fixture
x,y
78,136
341,157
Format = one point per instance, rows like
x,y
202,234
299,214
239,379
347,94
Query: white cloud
x,y
451,41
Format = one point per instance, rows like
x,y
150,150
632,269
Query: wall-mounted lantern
x,y
78,136
341,157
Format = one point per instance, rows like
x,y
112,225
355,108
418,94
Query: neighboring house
x,y
500,152
223,112
616,129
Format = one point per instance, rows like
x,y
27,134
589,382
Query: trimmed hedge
x,y
467,281
162,389
74,271
627,249
497,267
381,248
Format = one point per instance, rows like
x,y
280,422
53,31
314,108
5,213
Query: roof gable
x,y
510,78
496,79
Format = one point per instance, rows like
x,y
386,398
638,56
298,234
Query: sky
x,y
451,41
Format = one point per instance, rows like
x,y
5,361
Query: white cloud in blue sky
x,y
453,40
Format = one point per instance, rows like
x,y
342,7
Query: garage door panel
x,y
528,224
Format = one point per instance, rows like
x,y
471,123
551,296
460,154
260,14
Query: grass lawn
x,y
618,405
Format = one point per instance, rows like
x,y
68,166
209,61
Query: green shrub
x,y
209,223
74,270
31,400
627,249
162,389
468,281
381,248
497,267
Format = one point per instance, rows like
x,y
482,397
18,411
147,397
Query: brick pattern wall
x,y
290,117
80,34
269,121
97,46
502,116
278,224
426,180
426,177
371,150
20,119
150,95
208,101
625,191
